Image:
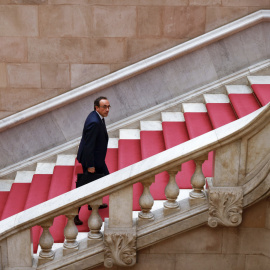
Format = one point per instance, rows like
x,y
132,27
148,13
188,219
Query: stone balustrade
x,y
229,191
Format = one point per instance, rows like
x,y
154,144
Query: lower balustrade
x,y
120,229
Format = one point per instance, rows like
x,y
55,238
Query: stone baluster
x,y
95,222
70,233
198,179
146,200
46,242
172,190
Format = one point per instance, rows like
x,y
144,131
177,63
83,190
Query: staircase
x,y
49,180
215,132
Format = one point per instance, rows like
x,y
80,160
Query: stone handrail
x,y
135,69
119,186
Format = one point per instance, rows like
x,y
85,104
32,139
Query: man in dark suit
x,y
93,146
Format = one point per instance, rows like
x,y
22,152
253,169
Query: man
x,y
93,146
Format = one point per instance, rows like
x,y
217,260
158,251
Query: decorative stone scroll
x,y
120,246
225,206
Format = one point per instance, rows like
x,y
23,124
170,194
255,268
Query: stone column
x,y
231,156
17,251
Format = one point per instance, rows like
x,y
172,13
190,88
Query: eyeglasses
x,y
105,107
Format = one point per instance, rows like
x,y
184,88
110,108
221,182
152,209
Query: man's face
x,y
104,107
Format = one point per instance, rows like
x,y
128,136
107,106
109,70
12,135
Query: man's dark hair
x,y
96,102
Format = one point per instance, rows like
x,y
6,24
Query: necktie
x,y
103,120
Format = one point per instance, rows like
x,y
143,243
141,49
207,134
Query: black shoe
x,y
77,221
104,205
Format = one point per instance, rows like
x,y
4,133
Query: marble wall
x,y
242,248
48,47
206,65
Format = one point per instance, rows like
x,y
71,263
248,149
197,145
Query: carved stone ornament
x,y
225,206
120,249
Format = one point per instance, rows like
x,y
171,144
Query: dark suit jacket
x,y
93,146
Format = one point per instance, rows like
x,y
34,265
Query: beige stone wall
x,y
48,47
243,248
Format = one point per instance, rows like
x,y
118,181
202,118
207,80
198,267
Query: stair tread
x,y
3,199
24,176
112,159
5,185
262,91
65,160
197,124
238,89
45,168
216,98
176,133
38,193
151,125
259,79
152,142
129,134
16,199
193,108
244,104
113,143
126,158
172,117
61,182
220,114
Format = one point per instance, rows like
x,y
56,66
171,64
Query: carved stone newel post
x,y
225,206
120,247
70,233
46,242
172,190
146,200
120,230
198,179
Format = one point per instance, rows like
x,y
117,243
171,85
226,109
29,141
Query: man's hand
x,y
91,169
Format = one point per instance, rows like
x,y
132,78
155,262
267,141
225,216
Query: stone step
x,y
238,89
150,125
113,143
259,79
45,168
129,134
5,185
24,176
193,107
216,98
65,160
172,117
